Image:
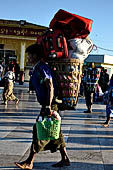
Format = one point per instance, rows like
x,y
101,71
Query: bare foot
x,y
24,165
105,124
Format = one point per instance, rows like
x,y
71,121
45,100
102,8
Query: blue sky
x,y
42,11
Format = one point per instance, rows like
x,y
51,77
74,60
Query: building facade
x,y
15,37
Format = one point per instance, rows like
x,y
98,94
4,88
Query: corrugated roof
x,y
19,23
99,58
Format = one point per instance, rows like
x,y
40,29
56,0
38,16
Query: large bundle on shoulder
x,y
68,74
66,44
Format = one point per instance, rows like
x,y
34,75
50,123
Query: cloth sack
x,y
73,54
73,26
81,46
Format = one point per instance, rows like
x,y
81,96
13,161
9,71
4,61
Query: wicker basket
x,y
48,130
68,73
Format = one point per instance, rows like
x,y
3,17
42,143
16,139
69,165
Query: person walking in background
x,y
1,71
89,99
104,80
90,79
17,71
1,74
9,78
109,106
44,84
31,88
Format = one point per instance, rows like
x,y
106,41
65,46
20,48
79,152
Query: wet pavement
x,y
89,144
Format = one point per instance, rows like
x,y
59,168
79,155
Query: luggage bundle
x,y
66,44
68,74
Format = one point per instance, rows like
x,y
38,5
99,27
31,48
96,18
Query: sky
x,y
41,12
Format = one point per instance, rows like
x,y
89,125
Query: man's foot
x,y
17,101
105,124
24,165
62,163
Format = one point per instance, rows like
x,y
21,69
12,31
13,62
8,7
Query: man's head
x,y
35,53
105,70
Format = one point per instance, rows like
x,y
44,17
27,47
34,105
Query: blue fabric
x,y
40,74
111,82
109,111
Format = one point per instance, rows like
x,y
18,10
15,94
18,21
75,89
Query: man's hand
x,y
48,111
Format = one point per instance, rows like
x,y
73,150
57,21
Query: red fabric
x,y
54,42
73,26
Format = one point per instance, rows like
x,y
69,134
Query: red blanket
x,y
73,26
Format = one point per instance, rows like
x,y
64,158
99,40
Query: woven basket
x,y
48,130
68,73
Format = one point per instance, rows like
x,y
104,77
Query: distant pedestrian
x,y
17,71
91,76
1,71
109,106
31,88
9,78
104,80
1,74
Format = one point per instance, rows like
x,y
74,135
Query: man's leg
x,y
36,147
28,163
106,123
64,158
89,102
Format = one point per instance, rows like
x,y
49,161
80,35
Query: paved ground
x,y
89,144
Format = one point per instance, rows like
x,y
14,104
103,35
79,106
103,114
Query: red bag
x,y
54,44
72,25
